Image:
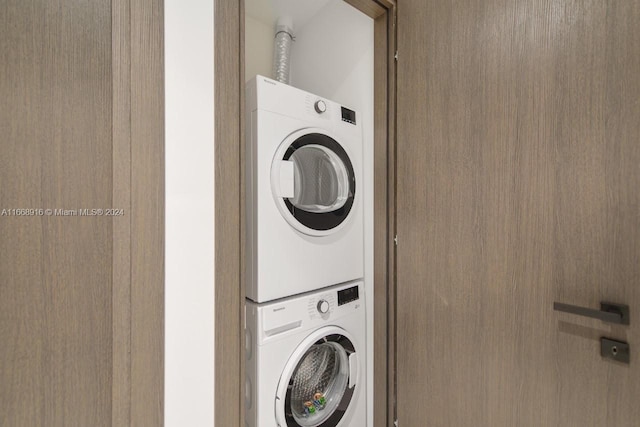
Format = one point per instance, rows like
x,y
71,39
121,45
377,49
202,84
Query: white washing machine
x,y
305,360
305,222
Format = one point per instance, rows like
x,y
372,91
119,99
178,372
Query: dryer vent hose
x,y
282,50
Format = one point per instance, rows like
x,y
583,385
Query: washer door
x,y
319,381
313,182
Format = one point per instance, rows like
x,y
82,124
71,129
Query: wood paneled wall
x,y
81,297
518,177
229,294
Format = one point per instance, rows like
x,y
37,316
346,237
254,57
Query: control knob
x,y
323,306
320,106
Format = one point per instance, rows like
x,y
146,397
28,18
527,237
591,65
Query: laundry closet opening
x,y
340,66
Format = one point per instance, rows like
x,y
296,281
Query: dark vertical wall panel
x,y
22,286
121,48
147,213
384,139
229,296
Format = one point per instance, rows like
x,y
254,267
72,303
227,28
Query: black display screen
x,y
347,295
348,116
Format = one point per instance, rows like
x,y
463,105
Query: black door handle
x,y
609,312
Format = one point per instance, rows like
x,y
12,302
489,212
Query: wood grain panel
x,y
596,228
369,7
121,65
381,225
147,213
517,186
387,4
65,291
229,295
243,211
391,216
55,293
22,288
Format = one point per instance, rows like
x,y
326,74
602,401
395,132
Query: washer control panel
x,y
323,306
293,315
331,303
348,295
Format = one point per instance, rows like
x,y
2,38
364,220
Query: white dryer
x,y
304,224
305,360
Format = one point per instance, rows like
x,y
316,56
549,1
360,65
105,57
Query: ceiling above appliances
x,y
268,11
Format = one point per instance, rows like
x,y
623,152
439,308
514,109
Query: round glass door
x,y
324,183
321,180
318,392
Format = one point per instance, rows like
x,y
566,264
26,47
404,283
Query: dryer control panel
x,y
348,115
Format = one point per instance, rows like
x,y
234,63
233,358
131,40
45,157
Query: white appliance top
x,y
269,95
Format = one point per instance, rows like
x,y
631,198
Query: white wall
x,y
260,24
333,57
258,53
189,210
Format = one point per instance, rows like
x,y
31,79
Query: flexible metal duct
x,y
282,49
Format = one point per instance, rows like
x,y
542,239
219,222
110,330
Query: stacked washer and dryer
x,y
305,307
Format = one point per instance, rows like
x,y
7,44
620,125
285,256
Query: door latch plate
x,y
616,350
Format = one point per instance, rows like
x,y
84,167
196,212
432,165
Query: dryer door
x,y
313,181
319,381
